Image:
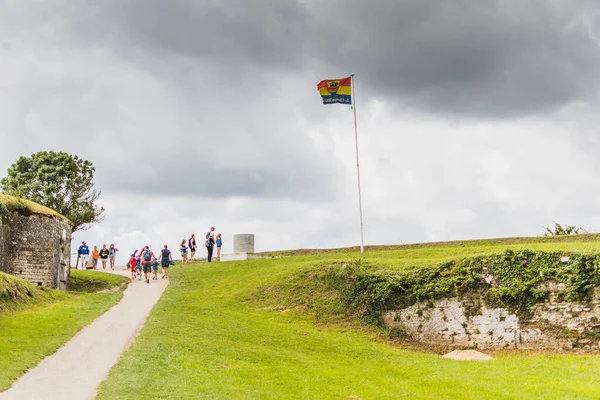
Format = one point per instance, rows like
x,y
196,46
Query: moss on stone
x,y
26,207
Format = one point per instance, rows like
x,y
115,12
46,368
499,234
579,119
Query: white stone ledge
x,y
240,256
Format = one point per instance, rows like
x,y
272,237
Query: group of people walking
x,y
106,254
144,264
147,263
210,243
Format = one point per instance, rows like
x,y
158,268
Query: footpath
x,y
78,367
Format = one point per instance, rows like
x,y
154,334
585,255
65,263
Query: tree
x,y
59,181
562,229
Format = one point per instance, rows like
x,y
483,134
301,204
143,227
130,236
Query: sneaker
x,y
147,280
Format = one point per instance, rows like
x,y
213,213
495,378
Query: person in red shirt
x,y
132,262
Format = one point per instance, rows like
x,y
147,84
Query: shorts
x,y
94,261
111,256
155,267
147,266
183,254
165,263
104,258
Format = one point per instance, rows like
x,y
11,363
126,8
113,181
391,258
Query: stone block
x,y
240,256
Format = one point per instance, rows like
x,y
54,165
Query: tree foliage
x,y
59,181
563,229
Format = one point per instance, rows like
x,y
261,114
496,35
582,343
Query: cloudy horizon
x,y
475,119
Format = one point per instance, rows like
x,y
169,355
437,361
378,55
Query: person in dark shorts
x,y
104,253
138,264
155,269
147,257
165,259
192,246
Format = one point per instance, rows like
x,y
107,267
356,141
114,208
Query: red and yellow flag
x,y
336,90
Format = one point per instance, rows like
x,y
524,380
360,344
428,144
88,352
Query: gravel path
x,y
76,369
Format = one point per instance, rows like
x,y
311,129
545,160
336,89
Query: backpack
x,y
147,256
208,242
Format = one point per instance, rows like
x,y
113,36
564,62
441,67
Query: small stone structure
x,y
243,243
243,249
467,323
37,246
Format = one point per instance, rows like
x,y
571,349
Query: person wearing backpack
x,y
210,242
147,257
210,232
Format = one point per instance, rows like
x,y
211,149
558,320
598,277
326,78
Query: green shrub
x,y
517,281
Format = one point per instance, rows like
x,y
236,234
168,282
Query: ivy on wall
x,y
513,280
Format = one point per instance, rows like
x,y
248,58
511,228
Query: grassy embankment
x,y
230,331
35,322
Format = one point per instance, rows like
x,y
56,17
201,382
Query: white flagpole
x,y
362,247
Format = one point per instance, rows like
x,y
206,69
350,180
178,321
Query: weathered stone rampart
x,y
37,248
468,323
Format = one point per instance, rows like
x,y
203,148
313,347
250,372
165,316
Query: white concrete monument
x,y
243,248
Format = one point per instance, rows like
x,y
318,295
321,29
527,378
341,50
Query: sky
x,y
475,119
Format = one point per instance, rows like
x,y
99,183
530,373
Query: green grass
x,y
15,292
221,331
93,281
37,324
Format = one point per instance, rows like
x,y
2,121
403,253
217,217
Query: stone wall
x,y
467,323
36,248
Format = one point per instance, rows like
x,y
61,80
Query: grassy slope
x,y
208,339
35,327
94,281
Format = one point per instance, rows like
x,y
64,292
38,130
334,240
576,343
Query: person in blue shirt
x,y
83,255
184,249
154,269
219,243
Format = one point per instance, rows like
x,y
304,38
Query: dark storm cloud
x,y
488,58
241,33
475,58
189,175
